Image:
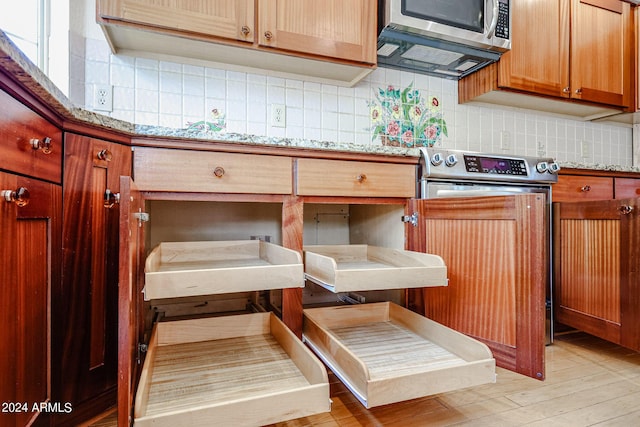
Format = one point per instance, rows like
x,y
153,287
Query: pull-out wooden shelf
x,y
385,353
236,370
181,269
348,268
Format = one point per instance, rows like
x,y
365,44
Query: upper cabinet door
x,y
539,57
343,29
231,19
601,51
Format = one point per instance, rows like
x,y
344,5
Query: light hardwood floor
x,y
589,382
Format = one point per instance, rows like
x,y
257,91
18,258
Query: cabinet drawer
x,y
356,179
20,128
577,188
627,188
158,169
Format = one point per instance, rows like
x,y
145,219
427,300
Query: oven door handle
x,y
475,193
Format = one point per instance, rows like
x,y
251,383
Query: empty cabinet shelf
x,y
348,268
385,353
234,370
180,269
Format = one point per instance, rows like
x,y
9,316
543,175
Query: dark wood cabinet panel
x,y
88,314
30,277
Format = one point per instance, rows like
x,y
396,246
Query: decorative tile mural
x,y
217,123
406,119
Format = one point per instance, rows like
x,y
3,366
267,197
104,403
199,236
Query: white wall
x,y
175,93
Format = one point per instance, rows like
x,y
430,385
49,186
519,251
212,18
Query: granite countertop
x,y
14,62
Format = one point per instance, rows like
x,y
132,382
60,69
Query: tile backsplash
x,y
179,95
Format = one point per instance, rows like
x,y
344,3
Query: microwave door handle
x,y
494,19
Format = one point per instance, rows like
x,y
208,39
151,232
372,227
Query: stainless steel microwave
x,y
458,36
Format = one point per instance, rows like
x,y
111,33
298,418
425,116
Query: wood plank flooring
x,y
590,382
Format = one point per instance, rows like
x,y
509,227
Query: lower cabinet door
x,y
596,268
495,250
30,212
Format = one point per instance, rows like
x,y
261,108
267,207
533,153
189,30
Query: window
x,y
28,26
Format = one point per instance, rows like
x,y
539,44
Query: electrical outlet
x,y
542,149
103,98
278,115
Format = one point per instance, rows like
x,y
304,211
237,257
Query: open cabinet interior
x,y
355,224
216,353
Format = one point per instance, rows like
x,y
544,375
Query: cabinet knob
x,y
361,178
268,35
105,155
566,89
625,209
579,91
586,188
110,198
245,30
43,144
218,172
20,196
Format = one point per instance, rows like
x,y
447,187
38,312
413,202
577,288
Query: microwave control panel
x,y
502,29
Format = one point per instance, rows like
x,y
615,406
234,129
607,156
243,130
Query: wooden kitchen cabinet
x,y
573,188
29,144
596,264
30,227
229,19
320,177
88,306
495,258
626,188
332,28
332,40
584,53
372,216
31,231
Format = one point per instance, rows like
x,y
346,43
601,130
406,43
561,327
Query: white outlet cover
x,y
278,115
103,97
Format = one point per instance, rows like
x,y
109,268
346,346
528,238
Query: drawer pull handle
x,y
245,30
20,196
626,209
105,155
361,178
42,144
268,35
586,188
218,172
110,198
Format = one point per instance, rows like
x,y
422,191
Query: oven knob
x,y
451,160
554,167
437,159
542,167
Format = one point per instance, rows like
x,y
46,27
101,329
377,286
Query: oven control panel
x,y
456,165
495,165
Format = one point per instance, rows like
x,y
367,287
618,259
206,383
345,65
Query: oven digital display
x,y
495,165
